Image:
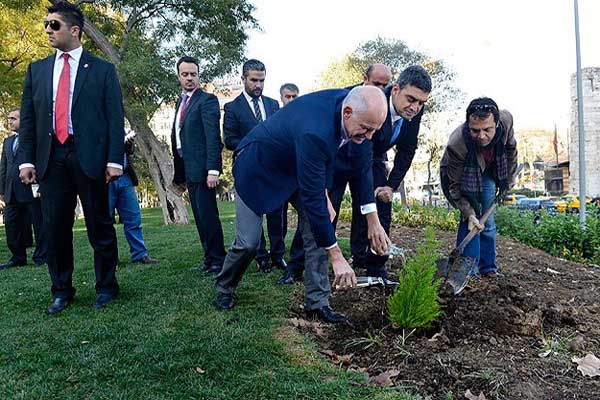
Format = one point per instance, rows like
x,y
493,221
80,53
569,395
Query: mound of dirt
x,y
509,338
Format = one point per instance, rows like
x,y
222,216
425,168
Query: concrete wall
x,y
591,115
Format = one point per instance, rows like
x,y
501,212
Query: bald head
x,y
364,110
378,75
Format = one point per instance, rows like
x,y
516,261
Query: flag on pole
x,y
555,144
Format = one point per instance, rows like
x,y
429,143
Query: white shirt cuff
x,y
368,208
331,247
114,165
213,172
26,165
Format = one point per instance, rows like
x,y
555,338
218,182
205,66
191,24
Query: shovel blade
x,y
459,273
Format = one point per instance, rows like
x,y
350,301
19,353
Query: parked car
x,y
570,203
536,204
511,199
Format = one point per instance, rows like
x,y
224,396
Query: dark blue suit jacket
x,y
10,184
239,119
294,150
406,144
200,139
96,112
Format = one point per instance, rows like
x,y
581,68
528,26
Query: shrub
x,y
560,235
415,304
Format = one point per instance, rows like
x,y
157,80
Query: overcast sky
x,y
519,52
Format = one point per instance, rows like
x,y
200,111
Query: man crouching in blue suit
x,y
291,155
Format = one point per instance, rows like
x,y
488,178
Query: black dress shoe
x,y
10,264
103,299
58,304
263,266
279,264
214,270
146,260
289,277
224,301
326,314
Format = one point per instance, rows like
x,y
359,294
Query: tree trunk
x,y
160,165
403,193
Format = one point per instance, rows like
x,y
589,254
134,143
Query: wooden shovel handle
x,y
475,231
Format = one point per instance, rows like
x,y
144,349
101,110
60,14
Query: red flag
x,y
555,143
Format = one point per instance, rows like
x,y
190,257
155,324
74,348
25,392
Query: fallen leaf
x,y
471,396
337,359
545,353
200,370
385,378
588,365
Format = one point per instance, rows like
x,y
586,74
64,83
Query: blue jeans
x,y
121,194
483,246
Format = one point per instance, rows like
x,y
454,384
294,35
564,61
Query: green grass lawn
x,y
162,338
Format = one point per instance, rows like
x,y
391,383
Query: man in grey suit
x,y
21,207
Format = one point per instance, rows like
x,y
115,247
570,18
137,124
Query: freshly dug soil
x,y
494,337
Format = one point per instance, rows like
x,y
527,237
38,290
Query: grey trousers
x,y
248,226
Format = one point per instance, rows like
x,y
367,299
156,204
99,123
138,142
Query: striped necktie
x,y
257,112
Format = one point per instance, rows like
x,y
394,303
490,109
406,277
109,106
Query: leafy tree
x,y
23,40
144,39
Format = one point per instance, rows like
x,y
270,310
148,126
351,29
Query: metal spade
x,y
456,268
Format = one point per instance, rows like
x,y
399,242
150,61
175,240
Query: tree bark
x,y
160,165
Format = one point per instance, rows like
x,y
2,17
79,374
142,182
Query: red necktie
x,y
182,107
61,107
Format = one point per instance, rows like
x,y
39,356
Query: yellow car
x,y
511,199
570,203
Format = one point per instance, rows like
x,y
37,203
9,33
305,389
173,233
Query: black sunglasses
x,y
54,24
483,107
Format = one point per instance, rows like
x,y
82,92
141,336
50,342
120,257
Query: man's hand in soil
x,y
377,237
384,193
474,223
344,277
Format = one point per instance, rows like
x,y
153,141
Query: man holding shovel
x,y
478,166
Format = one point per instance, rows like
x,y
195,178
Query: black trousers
x,y
64,181
208,224
16,218
276,229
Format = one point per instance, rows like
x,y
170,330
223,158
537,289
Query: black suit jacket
x,y
406,144
239,119
96,112
10,184
200,139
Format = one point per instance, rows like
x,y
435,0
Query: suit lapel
x,y
82,70
246,106
50,80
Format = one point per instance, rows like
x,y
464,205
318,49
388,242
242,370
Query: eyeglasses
x,y
54,24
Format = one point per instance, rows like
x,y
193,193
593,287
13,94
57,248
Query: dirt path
x,y
492,335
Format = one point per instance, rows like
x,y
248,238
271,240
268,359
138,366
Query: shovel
x,y
456,268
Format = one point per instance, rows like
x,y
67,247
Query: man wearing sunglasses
x,y
72,127
478,166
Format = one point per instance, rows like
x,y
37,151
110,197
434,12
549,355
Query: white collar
x,y
249,98
395,116
75,53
